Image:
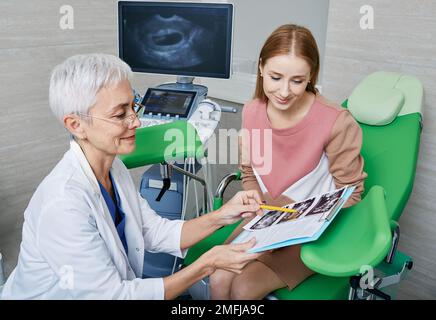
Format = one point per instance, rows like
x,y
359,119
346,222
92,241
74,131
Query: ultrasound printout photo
x,y
326,202
301,208
267,220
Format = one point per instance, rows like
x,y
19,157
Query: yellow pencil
x,y
266,207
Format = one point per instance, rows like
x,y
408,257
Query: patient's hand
x,y
244,204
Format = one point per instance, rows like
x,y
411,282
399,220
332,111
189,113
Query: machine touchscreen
x,y
168,102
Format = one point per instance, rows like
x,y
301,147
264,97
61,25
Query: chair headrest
x,y
376,101
382,96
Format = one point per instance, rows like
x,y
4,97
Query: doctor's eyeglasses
x,y
125,120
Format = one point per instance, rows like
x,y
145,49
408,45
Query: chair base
x,y
322,287
379,283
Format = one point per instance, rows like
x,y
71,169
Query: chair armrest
x,y
359,236
222,186
176,140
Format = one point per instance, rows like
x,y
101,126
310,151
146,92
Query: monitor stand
x,y
186,83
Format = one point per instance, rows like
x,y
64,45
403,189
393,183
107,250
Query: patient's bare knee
x,y
220,277
244,288
255,282
220,282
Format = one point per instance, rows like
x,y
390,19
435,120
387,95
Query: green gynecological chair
x,y
357,256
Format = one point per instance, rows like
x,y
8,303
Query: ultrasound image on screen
x,y
176,39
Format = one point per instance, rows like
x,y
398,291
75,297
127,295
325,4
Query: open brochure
x,y
276,229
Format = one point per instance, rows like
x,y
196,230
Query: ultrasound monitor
x,y
173,103
184,39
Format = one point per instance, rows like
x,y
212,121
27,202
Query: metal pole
x,y
202,181
224,183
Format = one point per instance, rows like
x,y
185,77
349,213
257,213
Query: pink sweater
x,y
324,146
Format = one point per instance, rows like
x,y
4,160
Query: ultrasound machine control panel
x,y
163,105
168,104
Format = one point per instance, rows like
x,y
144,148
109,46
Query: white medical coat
x,y
70,247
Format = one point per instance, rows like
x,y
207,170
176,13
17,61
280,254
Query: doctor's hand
x,y
245,204
230,257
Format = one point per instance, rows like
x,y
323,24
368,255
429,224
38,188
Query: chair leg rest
x,y
368,286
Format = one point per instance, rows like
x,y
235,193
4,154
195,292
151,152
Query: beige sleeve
x,y
343,151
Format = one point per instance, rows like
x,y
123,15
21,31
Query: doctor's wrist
x,y
207,261
216,219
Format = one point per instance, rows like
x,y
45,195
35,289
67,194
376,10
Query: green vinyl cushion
x,y
359,236
382,96
391,154
317,287
374,105
177,140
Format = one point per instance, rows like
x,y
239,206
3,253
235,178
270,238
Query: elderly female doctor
x,y
86,227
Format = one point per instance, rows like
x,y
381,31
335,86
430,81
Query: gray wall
x,y
403,40
266,16
254,22
31,44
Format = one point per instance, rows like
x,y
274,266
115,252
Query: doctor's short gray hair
x,y
75,82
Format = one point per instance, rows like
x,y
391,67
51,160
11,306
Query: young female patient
x,y
309,146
